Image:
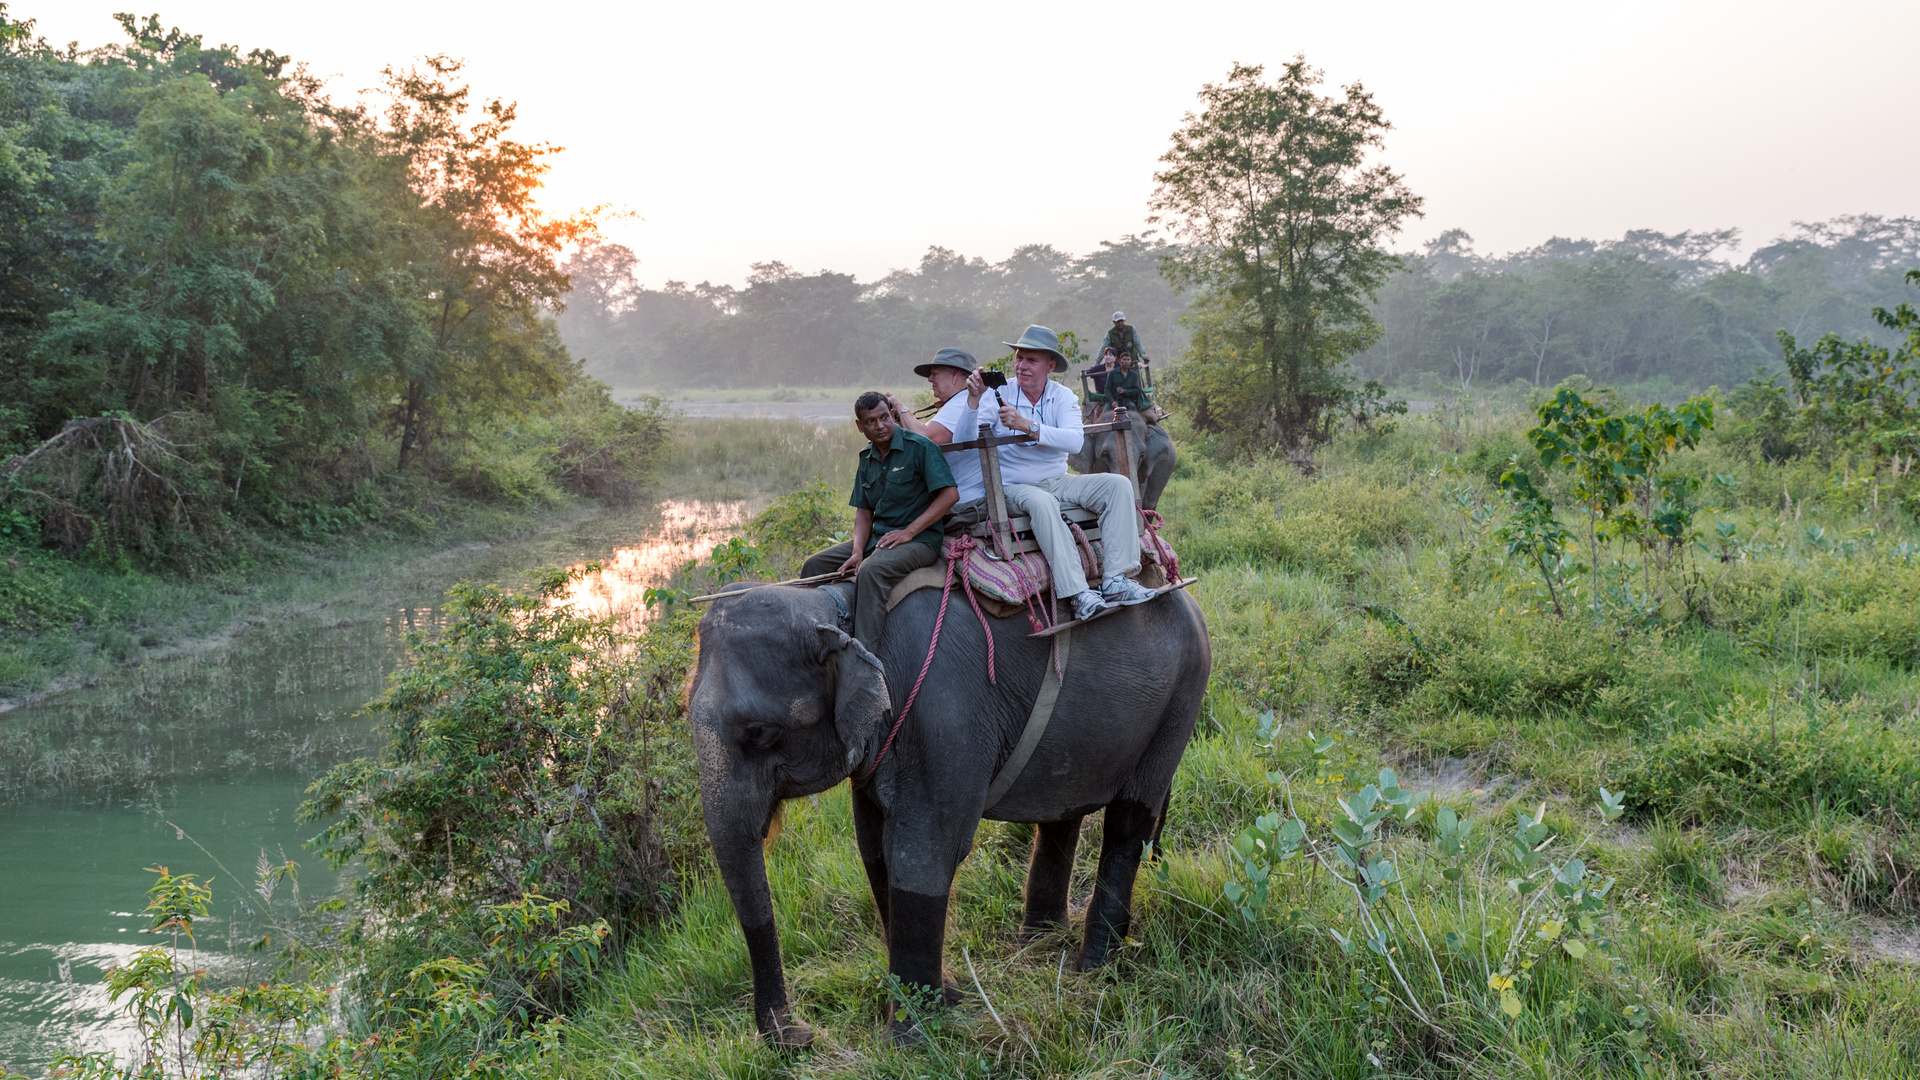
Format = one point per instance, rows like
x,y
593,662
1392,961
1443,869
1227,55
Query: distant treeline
x,y
226,301
794,329
1648,309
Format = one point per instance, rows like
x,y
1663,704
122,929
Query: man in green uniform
x,y
1124,387
901,492
1124,339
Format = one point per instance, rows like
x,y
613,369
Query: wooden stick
x,y
817,579
1009,440
990,476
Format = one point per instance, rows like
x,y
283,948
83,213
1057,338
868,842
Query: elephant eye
x,y
762,736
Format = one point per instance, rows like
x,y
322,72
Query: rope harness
x,y
962,545
1161,549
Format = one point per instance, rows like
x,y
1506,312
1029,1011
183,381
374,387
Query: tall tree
x,y
1284,220
489,260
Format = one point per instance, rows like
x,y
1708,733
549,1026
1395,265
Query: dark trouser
x,y
879,573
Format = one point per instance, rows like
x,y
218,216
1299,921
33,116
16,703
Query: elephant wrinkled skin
x,y
1099,454
784,704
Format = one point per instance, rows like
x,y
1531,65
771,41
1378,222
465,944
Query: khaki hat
x,y
953,358
1040,339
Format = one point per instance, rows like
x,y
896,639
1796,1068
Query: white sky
x,y
850,136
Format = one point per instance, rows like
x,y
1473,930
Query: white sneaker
x,y
1088,604
1125,591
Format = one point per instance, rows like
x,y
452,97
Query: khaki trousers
x,y
879,573
1108,494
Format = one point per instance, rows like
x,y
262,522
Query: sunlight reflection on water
x,y
689,530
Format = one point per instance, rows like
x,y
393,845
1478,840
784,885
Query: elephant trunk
x,y
735,823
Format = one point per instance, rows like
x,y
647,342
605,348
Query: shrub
x,y
1752,758
800,523
531,752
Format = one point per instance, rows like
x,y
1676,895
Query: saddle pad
x,y
935,577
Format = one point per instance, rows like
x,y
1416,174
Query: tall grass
x,y
738,459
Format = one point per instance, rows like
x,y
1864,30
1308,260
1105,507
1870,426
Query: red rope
x,y
1036,615
960,550
1086,550
1161,548
946,591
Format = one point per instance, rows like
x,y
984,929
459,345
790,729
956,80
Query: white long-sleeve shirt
x,y
1060,433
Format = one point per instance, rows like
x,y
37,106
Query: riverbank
x,y
91,619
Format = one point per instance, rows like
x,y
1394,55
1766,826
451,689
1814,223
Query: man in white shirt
x,y
1035,473
954,375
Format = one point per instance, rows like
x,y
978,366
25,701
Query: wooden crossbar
x,y
1009,440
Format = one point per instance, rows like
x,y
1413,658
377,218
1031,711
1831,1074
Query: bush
x,y
532,752
800,523
1752,758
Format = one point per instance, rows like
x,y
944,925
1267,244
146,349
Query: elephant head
x,y
1099,454
784,703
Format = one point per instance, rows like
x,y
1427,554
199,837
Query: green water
x,y
198,763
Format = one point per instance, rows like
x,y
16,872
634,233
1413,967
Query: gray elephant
x,y
784,703
1155,447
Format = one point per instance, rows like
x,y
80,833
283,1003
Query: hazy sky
x,y
851,136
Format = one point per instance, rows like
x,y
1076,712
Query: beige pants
x,y
1108,494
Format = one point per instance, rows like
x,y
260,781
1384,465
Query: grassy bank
x,y
1740,903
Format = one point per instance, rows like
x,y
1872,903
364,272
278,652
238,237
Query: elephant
x,y
1151,442
784,703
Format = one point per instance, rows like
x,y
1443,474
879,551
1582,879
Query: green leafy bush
x,y
1754,758
532,751
800,523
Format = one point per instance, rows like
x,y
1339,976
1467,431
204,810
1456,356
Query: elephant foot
x,y
950,992
1032,932
1092,958
905,1034
786,1033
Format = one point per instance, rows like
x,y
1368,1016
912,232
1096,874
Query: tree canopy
x,y
256,298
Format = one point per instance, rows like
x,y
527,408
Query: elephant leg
x,y
868,825
1128,827
1160,825
916,942
1048,877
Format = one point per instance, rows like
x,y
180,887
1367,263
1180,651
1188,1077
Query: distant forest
x,y
787,328
1650,309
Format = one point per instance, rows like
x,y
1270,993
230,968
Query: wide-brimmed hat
x,y
1041,339
953,358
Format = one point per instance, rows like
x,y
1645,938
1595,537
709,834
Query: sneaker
x,y
1088,604
1125,591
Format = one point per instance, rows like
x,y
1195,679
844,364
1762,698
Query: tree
x,y
488,259
1284,221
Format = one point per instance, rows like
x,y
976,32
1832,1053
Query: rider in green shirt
x,y
1124,385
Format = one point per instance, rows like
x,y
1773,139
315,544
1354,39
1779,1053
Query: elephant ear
x,y
861,701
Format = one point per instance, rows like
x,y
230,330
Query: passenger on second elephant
x,y
1125,387
901,492
1035,473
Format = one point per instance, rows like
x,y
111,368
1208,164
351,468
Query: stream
x,y
199,762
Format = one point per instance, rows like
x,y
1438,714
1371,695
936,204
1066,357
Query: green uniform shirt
x,y
1124,338
899,486
1125,388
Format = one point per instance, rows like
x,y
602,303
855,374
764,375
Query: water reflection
x,y
688,531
